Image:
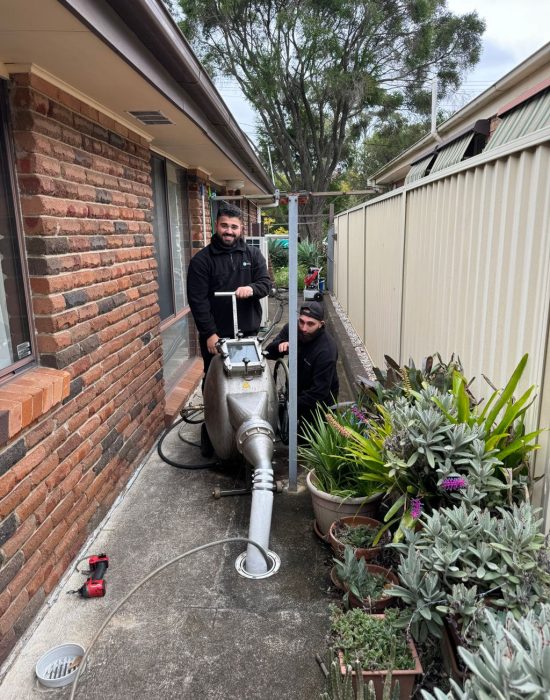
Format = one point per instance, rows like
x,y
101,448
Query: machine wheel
x,y
217,493
318,296
278,487
280,377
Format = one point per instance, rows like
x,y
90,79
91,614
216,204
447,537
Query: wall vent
x,y
150,117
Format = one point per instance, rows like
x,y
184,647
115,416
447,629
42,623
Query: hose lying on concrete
x,y
181,465
148,578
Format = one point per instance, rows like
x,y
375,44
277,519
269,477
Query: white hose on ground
x,y
147,578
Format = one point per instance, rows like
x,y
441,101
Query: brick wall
x,y
85,192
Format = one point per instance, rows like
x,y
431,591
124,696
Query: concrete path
x,y
198,630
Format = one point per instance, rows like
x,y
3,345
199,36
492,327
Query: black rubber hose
x,y
180,465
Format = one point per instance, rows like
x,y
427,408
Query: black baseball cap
x,y
314,309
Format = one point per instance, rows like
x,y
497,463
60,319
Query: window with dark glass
x,y
15,336
172,252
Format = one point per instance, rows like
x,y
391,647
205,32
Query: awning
x,y
418,169
528,117
453,153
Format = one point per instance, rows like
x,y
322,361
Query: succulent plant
x,y
465,554
340,685
512,662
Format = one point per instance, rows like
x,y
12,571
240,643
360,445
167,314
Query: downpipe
x,y
255,439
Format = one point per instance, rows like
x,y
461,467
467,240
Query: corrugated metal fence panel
x,y
477,274
383,278
529,117
341,262
356,270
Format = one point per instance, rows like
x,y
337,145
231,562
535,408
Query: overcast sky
x,y
515,29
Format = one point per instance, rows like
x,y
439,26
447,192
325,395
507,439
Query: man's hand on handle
x,y
244,292
211,344
283,347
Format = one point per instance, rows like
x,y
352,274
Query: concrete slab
x,y
198,630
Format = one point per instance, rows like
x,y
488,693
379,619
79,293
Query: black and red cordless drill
x,y
95,586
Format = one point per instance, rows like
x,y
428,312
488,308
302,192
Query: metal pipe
x,y
293,340
255,440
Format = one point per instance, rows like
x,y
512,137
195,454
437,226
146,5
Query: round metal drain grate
x,y
59,665
240,563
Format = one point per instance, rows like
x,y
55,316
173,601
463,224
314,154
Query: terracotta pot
x,y
406,677
328,508
372,605
354,521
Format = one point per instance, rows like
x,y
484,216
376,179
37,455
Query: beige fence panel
x,y
475,277
371,239
341,260
384,277
357,243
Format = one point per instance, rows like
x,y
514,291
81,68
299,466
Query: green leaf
x,y
396,506
507,393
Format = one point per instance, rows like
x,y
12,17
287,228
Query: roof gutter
x,y
153,27
511,78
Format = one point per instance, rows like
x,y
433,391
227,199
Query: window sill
x,y
27,397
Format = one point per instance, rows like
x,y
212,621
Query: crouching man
x,y
317,357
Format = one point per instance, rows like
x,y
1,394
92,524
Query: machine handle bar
x,y
234,307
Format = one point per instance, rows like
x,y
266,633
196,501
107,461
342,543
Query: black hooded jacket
x,y
317,375
218,268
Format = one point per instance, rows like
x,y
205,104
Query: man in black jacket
x,y
227,264
317,356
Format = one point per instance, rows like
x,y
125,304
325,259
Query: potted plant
x,y
380,647
426,447
467,557
365,585
333,480
359,532
511,662
340,686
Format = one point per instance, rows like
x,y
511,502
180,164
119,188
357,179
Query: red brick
x,y
54,538
29,462
15,415
7,482
14,498
21,535
28,570
9,618
44,469
34,542
63,509
31,503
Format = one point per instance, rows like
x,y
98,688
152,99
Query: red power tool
x,y
95,586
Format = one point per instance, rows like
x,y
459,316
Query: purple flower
x,y
416,508
359,414
454,483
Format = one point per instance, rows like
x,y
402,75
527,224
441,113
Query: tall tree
x,y
319,71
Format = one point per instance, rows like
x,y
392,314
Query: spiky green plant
x,y
340,685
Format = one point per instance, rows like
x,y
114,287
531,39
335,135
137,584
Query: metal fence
x,y
459,262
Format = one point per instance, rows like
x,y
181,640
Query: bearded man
x,y
227,264
317,357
